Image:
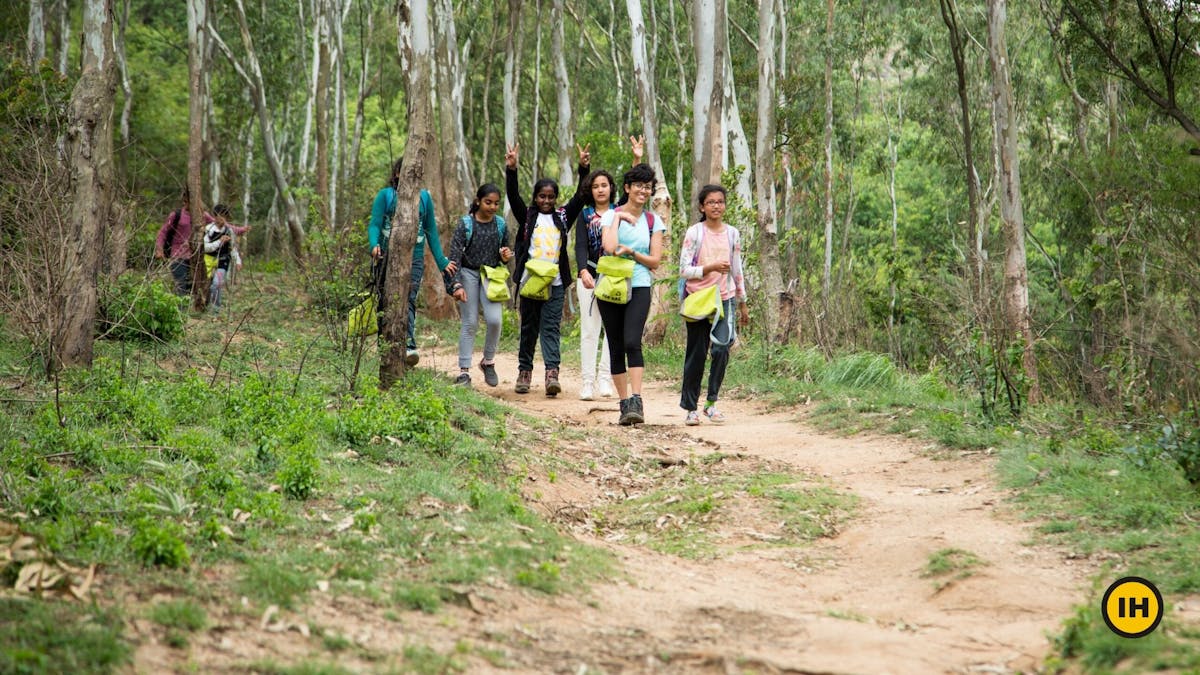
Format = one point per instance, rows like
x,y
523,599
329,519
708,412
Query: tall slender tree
x,y
1008,173
197,109
562,87
36,36
89,153
416,52
764,174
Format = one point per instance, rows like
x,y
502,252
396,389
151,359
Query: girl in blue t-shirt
x,y
632,232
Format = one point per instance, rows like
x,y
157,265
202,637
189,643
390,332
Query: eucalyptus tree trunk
x,y
197,109
63,10
364,91
35,37
321,114
709,37
450,60
310,103
1008,173
512,70
894,129
562,85
537,91
683,107
787,302
338,123
617,69
738,146
764,174
975,216
89,154
661,201
417,53
252,75
126,85
827,275
247,138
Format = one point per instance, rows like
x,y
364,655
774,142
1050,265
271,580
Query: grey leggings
x,y
493,314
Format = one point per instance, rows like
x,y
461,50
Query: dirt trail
x,y
853,603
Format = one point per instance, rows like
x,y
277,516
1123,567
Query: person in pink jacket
x,y
711,255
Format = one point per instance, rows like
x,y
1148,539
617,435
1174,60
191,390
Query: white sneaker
x,y
606,388
585,392
412,357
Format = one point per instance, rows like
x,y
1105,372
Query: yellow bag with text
x,y
495,280
210,264
703,304
615,282
539,275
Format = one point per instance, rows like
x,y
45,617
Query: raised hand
x,y
510,157
638,143
585,154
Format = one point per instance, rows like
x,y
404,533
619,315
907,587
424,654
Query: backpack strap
x,y
468,223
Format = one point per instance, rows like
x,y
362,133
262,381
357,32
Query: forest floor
x,y
919,563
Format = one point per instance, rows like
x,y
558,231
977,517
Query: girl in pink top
x,y
711,255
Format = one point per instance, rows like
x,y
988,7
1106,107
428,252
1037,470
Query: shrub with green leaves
x,y
299,473
136,307
160,542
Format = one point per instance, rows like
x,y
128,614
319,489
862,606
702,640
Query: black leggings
x,y
624,325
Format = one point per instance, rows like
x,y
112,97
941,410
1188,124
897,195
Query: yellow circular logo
x,y
1132,607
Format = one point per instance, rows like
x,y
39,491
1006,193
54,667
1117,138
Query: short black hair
x,y
222,210
483,191
639,173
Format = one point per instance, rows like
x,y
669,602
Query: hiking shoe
x,y
585,392
637,415
552,385
489,374
524,377
692,419
412,358
606,388
715,416
463,379
626,419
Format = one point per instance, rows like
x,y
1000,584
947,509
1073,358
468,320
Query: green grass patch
x,y
180,618
949,565
265,453
685,518
50,637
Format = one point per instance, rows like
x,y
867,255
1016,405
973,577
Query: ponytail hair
x,y
483,191
705,192
394,179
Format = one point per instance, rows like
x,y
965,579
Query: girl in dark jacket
x,y
542,235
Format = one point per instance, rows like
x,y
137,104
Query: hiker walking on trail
x,y
220,253
477,279
599,188
710,270
543,268
174,245
633,241
378,232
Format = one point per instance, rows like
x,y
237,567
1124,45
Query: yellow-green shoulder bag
x,y
539,275
615,279
496,282
703,304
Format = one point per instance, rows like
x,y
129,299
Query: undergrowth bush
x,y
135,307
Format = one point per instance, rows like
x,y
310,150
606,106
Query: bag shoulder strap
x,y
468,223
650,222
